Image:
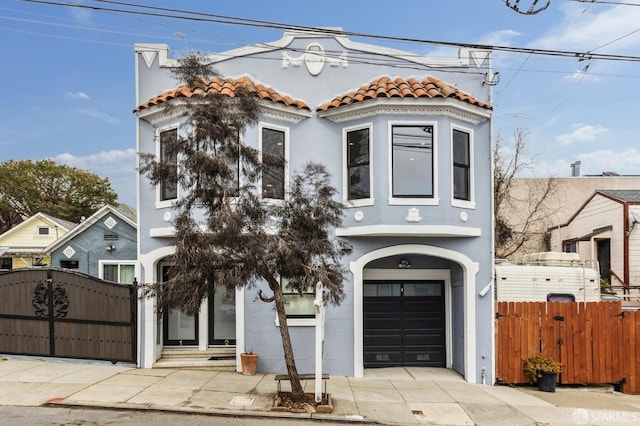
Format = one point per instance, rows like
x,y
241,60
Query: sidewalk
x,y
396,396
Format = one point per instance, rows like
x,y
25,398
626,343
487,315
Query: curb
x,y
351,419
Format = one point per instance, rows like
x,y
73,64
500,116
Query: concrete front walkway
x,y
402,396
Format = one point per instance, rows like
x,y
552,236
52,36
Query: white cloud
x,y
585,31
81,15
99,115
500,38
77,95
582,133
624,161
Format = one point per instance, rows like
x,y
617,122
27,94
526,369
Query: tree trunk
x,y
292,371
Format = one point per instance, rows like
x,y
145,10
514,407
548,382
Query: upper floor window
x,y
168,189
358,164
412,161
462,169
461,166
42,230
234,166
274,162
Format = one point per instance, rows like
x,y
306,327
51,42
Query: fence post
x,y
52,326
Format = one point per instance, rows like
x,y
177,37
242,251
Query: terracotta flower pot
x,y
249,362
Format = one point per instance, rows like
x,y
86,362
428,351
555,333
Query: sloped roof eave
x,y
396,106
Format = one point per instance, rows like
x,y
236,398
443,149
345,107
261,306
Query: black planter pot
x,y
547,383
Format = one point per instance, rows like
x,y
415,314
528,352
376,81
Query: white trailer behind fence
x,y
548,276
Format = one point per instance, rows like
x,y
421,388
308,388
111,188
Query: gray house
x,y
103,245
407,141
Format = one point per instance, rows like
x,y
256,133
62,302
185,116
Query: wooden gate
x,y
595,342
51,312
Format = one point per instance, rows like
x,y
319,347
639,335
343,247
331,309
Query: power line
x,y
617,3
230,20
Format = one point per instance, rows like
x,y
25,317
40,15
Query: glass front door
x,y
222,317
178,328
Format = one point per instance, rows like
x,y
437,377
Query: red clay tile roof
x,y
228,87
385,87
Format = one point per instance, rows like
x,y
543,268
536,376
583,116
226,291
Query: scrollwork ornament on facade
x,y
315,58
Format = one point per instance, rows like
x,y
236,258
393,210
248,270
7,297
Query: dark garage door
x,y
404,324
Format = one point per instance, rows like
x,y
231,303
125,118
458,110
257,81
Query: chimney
x,y
575,168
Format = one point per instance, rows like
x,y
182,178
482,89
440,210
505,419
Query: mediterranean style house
x,y
407,141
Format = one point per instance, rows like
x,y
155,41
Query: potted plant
x,y
249,361
543,370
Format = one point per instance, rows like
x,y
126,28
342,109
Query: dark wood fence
x,y
595,342
51,312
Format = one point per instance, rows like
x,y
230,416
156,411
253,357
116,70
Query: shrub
x,y
538,364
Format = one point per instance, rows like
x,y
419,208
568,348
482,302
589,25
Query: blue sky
x,y
68,73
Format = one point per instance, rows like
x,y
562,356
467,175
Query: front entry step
x,y
220,358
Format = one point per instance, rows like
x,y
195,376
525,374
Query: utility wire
x,y
607,2
206,17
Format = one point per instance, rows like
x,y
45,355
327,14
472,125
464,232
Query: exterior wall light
x,y
404,264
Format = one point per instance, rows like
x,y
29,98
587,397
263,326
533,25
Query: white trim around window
x,y
165,203
369,201
470,203
285,130
119,264
416,201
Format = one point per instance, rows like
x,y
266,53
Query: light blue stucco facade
x,y
107,237
442,238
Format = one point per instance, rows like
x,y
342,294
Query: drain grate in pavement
x,y
221,357
242,400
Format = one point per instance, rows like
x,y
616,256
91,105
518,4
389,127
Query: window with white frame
x,y
412,161
298,305
43,230
461,153
226,153
118,272
234,165
168,187
273,146
358,164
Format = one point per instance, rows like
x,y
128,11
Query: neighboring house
x,y
104,245
606,228
407,140
570,193
23,246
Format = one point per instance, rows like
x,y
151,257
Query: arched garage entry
x,y
406,316
468,270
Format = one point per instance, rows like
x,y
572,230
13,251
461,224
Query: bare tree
x,y
226,234
520,216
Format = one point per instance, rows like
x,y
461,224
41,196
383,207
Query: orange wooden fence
x,y
595,342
